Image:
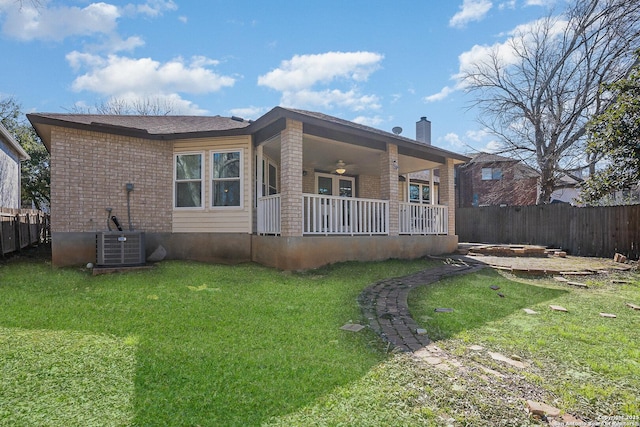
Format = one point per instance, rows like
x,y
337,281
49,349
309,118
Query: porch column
x,y
291,180
389,188
447,193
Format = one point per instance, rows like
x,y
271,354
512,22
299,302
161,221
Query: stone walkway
x,y
384,304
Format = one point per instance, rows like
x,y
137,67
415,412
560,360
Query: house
x,y
293,189
489,179
11,154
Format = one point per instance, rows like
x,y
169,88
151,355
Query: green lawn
x,y
589,363
190,344
182,344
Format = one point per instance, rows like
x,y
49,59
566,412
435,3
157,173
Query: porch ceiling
x,y
321,154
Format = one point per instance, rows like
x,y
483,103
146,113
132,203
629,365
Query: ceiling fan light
x,y
340,167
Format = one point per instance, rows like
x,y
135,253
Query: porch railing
x,y
325,215
418,218
332,215
269,214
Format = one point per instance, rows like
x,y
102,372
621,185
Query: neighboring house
x,y
293,189
11,154
489,179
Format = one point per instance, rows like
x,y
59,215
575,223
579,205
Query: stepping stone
x,y
609,315
576,273
352,327
421,331
494,287
492,372
529,311
560,279
542,409
502,358
444,310
578,285
558,308
635,307
433,360
476,347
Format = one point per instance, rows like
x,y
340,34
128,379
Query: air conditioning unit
x,y
120,248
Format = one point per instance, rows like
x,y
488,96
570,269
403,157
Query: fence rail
x,y
20,228
585,231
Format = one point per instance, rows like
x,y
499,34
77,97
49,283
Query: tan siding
x,y
217,220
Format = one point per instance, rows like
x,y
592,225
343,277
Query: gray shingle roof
x,y
153,125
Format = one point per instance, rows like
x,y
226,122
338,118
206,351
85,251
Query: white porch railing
x,y
269,214
332,215
335,215
418,218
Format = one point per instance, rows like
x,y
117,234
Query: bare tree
x,y
538,91
141,106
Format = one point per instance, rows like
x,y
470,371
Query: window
x,y
188,181
489,174
419,193
226,178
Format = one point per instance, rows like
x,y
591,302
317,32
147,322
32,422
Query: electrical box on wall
x,y
120,248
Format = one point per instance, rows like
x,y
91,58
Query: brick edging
x,y
384,305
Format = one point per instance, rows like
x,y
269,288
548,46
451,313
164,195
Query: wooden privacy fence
x,y
20,228
584,231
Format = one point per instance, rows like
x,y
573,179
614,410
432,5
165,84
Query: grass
x,y
588,363
183,344
191,344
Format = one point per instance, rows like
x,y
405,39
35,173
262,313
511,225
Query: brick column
x,y
447,193
389,185
291,180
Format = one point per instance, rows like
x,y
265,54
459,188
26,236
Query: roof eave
x,y
22,154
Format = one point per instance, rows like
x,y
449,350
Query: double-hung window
x,y
226,178
188,180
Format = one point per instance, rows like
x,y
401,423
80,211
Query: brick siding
x,y
89,172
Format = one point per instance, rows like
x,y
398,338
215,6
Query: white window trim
x,y
335,182
420,185
241,169
202,180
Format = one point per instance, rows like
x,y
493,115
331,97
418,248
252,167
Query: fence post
x,y
1,237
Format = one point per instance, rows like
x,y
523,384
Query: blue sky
x,y
382,63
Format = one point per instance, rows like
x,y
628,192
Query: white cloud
x,y
299,77
374,121
440,95
453,140
152,8
548,3
493,147
26,22
250,113
114,75
510,4
477,135
329,98
304,71
470,10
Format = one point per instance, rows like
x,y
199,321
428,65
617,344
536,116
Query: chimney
x,y
423,131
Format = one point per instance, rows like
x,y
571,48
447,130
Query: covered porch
x,y
329,190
